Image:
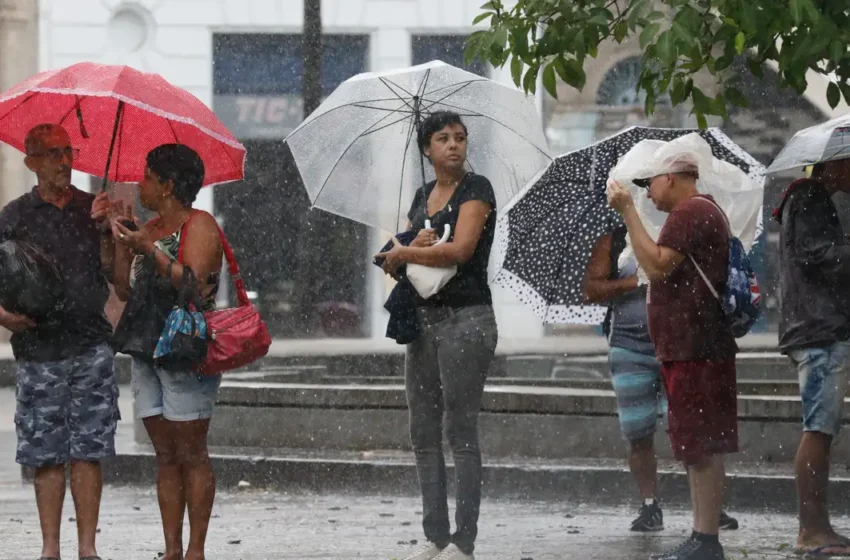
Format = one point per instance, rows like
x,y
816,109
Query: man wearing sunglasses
x,y
693,341
66,409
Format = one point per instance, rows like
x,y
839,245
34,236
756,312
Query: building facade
x,y
243,58
311,272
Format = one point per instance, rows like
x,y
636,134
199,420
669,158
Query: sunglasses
x,y
642,183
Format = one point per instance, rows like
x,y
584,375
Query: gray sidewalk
x,y
255,525
303,525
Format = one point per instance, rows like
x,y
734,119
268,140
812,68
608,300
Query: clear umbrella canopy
x,y
823,142
358,156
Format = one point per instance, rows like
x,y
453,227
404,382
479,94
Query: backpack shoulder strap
x,y
729,231
722,213
705,279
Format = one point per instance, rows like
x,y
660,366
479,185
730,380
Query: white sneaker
x,y
452,552
427,552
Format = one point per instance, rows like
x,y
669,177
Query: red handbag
x,y
237,335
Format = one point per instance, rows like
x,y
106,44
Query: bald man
x,y
67,409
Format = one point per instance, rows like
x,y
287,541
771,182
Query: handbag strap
x,y
189,290
232,265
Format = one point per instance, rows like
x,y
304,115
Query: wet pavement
x,y
254,525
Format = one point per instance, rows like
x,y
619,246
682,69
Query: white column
x,y
390,48
19,61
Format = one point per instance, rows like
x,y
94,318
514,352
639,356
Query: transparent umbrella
x,y
822,142
357,153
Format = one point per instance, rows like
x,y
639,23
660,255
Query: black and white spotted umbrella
x,y
545,235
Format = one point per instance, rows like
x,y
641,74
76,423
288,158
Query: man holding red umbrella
x,y
67,397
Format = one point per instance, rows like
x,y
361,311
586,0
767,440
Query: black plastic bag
x,y
30,282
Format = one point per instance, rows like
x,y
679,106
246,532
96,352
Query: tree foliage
x,y
678,39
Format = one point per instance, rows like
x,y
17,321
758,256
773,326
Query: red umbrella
x,y
115,116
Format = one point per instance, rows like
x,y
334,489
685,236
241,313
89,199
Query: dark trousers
x,y
445,371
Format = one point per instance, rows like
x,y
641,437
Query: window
x,y
448,48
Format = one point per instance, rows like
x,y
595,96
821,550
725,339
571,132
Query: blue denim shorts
x,y
67,410
823,385
176,395
639,389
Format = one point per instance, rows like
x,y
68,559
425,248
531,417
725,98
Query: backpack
x,y
741,297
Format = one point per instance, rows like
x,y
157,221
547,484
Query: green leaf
x,y
718,106
837,50
636,11
549,81
736,98
620,31
755,68
796,11
845,91
655,16
571,71
600,18
689,88
702,103
579,45
648,35
473,48
723,63
500,38
482,17
519,39
749,18
516,70
649,104
833,95
685,35
740,41
677,92
529,83
702,123
493,6
666,48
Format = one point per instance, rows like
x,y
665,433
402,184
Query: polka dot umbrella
x,y
545,235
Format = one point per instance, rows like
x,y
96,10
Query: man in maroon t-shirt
x,y
692,337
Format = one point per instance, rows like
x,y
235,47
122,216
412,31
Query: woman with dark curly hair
x,y
446,367
175,406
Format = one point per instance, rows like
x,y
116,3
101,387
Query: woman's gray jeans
x,y
445,371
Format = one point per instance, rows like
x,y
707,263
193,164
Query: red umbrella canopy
x,y
99,103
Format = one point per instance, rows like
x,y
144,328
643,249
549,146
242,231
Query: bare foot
x,y
824,545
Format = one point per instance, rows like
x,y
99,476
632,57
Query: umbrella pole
x,y
417,125
118,114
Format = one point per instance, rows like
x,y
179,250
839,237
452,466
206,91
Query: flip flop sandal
x,y
820,551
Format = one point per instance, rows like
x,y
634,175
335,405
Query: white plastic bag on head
x,y
735,192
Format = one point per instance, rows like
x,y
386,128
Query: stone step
x,y
585,399
560,423
389,472
546,358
